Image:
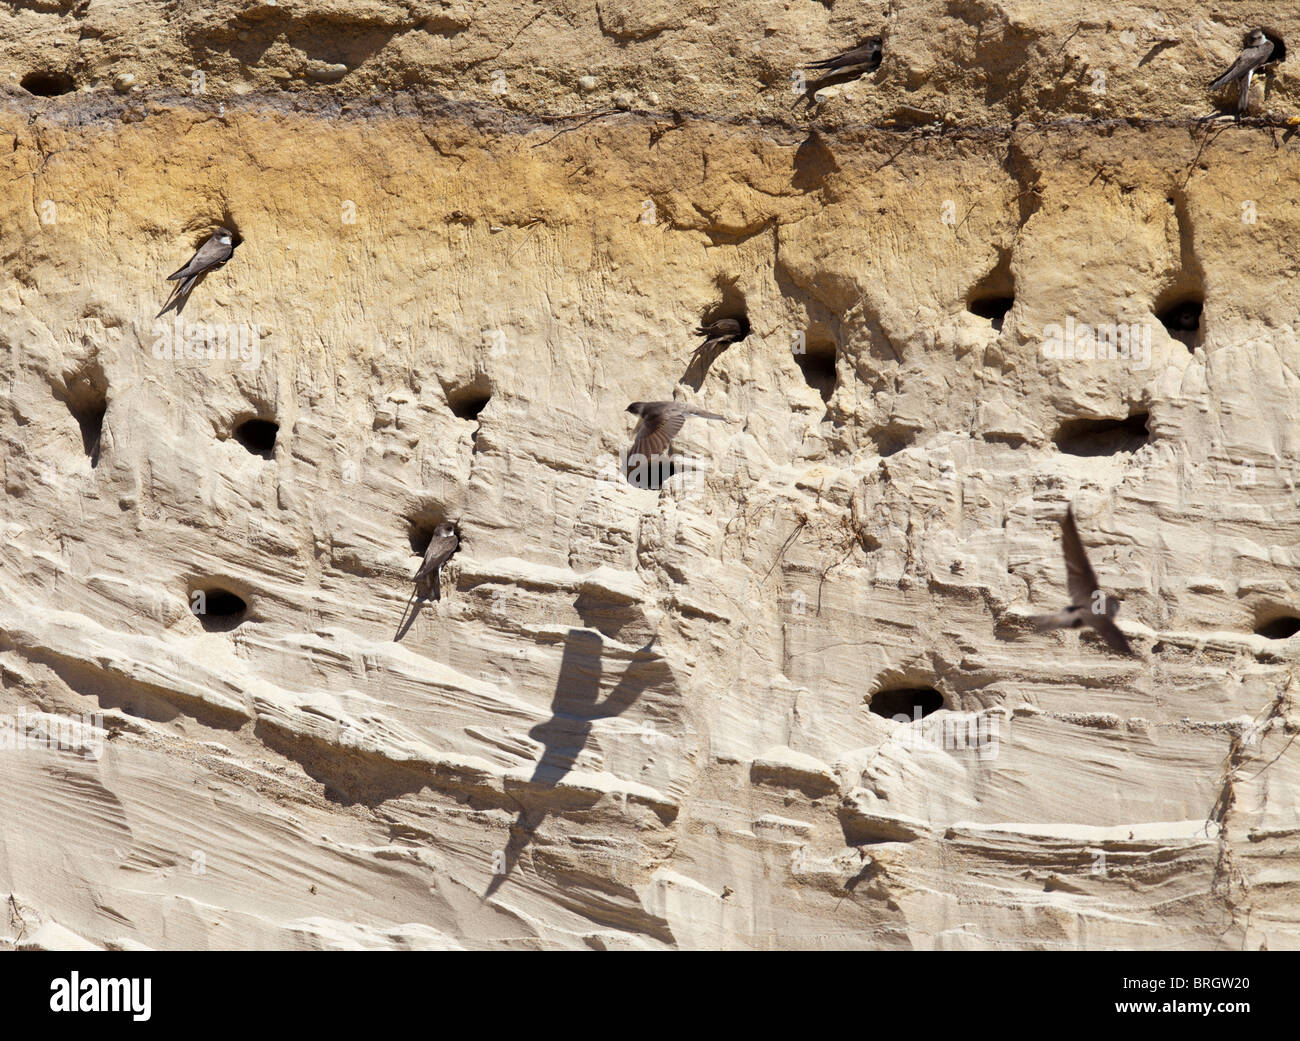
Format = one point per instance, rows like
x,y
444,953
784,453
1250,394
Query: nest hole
x,y
1278,627
218,610
45,84
1181,318
1279,46
817,363
909,702
258,436
995,294
86,396
89,414
1095,437
993,308
469,400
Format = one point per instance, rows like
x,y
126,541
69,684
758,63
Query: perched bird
x,y
443,544
1088,604
1258,49
867,54
209,256
717,336
661,421
724,330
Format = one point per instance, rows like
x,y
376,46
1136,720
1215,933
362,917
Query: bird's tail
x,y
1225,79
706,415
179,295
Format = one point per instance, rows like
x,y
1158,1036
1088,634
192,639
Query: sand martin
x,y
661,421
718,335
210,256
1258,49
428,579
867,55
1088,604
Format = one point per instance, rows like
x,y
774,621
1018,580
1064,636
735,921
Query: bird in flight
x,y
1258,50
661,421
1088,604
209,256
428,579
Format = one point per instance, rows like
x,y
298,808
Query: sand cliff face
x,y
471,234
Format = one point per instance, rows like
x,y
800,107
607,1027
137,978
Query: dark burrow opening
x,y
905,701
45,84
258,436
1181,318
995,294
218,610
89,414
1277,627
1279,46
420,526
86,396
1093,437
817,363
994,308
469,405
468,400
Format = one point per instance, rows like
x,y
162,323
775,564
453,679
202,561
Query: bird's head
x,y
636,408
223,236
1256,38
444,529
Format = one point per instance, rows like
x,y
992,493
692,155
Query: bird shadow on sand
x,y
1160,45
651,473
701,359
563,737
179,299
414,604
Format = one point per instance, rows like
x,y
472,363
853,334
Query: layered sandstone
x,y
645,718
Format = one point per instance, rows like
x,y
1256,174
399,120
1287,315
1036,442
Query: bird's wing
x,y
439,552
722,328
184,270
1109,632
209,255
1079,578
1247,60
863,55
1057,620
654,434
